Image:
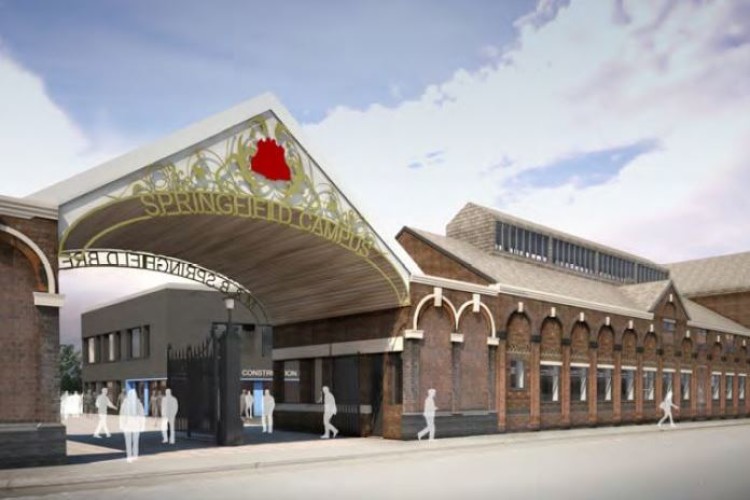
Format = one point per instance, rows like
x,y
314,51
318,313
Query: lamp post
x,y
230,423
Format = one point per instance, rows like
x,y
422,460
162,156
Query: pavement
x,y
100,462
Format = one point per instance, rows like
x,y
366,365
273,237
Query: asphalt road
x,y
712,463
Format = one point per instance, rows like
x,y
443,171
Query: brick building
x,y
30,430
521,327
720,283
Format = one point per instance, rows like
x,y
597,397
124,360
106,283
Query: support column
x,y
456,376
230,425
501,381
593,346
617,386
535,414
640,394
660,394
723,392
410,360
492,377
565,383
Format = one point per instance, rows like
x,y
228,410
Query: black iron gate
x,y
192,375
345,388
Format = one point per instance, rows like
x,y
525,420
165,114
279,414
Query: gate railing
x,y
192,377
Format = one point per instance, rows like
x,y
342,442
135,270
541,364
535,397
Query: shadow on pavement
x,y
113,448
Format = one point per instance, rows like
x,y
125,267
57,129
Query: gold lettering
x,y
224,204
330,231
302,217
285,214
364,251
317,227
165,200
150,206
182,200
261,209
207,203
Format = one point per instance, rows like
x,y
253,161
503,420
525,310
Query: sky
x,y
625,122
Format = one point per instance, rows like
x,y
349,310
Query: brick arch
x,y
466,310
606,342
687,350
424,305
551,339
716,353
43,271
519,332
579,341
650,344
670,311
629,346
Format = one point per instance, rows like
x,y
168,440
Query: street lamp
x,y
229,304
230,424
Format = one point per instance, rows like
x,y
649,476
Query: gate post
x,y
230,423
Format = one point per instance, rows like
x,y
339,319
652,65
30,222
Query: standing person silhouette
x,y
667,406
102,403
64,406
132,423
329,410
429,416
169,409
243,402
249,401
269,403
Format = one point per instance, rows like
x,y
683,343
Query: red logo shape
x,y
269,161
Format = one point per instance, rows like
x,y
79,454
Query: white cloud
x,y
40,144
590,76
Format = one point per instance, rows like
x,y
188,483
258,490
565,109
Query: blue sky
x,y
145,68
621,121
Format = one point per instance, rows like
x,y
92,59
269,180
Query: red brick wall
x,y
434,262
474,363
732,305
29,335
435,358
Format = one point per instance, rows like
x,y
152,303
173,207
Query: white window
x,y
628,384
604,384
741,389
550,383
517,372
666,383
715,386
91,349
135,343
730,386
112,345
578,382
685,386
649,385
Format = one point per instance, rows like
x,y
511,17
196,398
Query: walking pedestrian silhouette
x,y
329,410
102,403
667,406
429,416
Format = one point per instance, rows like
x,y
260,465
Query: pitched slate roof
x,y
703,317
723,274
524,277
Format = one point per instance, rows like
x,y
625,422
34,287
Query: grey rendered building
x,y
124,343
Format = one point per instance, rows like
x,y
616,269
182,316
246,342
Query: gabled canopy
x,y
241,195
